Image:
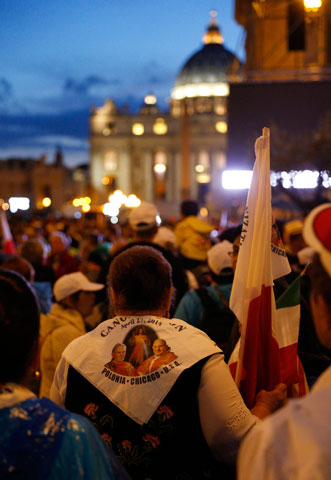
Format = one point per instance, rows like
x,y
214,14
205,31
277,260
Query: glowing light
x,y
114,220
241,179
312,5
46,202
105,180
160,168
221,127
305,179
106,131
110,209
199,168
160,127
76,202
88,200
326,180
220,89
203,178
86,208
117,198
203,212
5,206
138,129
150,99
236,179
77,214
18,203
158,220
286,179
132,201
203,91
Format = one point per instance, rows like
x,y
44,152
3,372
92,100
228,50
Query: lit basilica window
x,y
221,127
220,89
110,160
138,129
160,168
160,127
160,163
219,106
150,99
202,167
312,5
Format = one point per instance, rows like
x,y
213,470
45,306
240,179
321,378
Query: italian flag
x,y
7,239
288,323
261,259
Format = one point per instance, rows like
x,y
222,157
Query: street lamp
x,y
312,5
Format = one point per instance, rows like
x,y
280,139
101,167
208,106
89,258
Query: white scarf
x,y
138,391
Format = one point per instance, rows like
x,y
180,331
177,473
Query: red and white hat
x,y
317,233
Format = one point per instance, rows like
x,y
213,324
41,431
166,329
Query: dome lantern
x,y
213,34
206,73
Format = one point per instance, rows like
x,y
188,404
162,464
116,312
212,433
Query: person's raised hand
x,y
269,401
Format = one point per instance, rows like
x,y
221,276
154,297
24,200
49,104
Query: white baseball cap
x,y
165,237
144,217
317,233
73,282
218,257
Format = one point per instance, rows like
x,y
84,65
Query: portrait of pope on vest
x,y
118,364
162,355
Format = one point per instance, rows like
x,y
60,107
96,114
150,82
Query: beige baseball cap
x,y
144,217
73,282
218,257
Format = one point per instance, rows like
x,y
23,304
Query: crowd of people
x,y
130,327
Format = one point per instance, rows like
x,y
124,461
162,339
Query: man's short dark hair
x,y
141,276
33,252
19,326
189,207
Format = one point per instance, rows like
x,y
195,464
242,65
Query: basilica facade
x,y
164,157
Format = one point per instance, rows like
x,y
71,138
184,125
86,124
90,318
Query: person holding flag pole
x,y
261,259
295,442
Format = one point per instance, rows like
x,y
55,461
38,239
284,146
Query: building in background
x,y
164,157
46,186
285,83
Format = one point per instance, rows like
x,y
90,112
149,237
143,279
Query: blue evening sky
x,y
59,57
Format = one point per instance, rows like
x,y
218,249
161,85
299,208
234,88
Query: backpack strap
x,y
222,298
206,300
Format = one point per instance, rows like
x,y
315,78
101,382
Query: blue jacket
x,y
190,308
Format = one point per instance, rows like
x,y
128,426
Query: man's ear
x,y
68,302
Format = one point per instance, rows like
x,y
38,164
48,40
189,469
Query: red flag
x,y
252,298
8,242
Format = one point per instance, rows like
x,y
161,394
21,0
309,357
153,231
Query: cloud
x,y
8,102
5,89
83,87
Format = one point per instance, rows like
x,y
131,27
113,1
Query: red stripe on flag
x,y
260,364
288,360
9,247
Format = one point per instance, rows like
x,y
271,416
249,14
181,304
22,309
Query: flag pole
x,y
266,132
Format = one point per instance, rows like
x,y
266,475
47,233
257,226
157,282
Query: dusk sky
x,y
60,57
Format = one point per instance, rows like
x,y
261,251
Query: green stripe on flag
x,y
291,296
